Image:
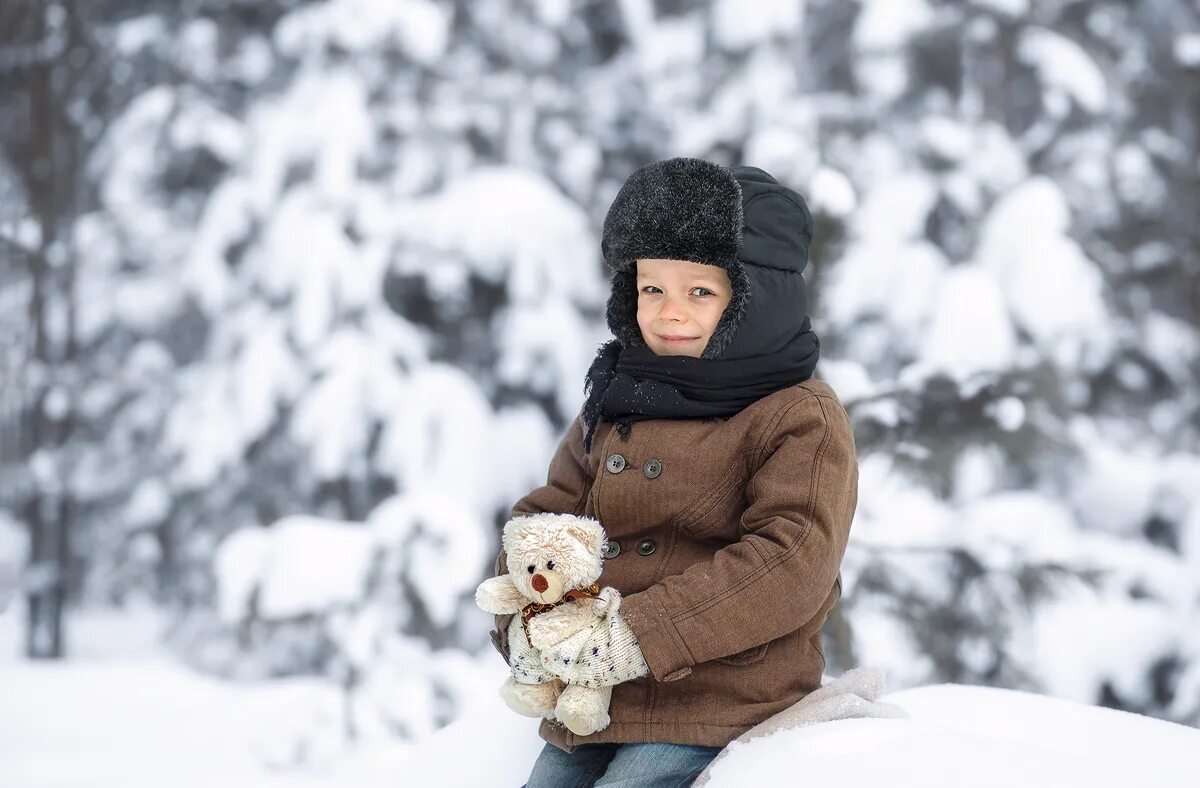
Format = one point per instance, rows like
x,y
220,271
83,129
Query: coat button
x,y
646,547
616,463
653,469
611,549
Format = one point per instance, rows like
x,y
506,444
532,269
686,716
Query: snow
x,y
1124,638
670,45
205,453
1187,50
957,735
14,552
522,231
887,24
1130,601
147,722
440,434
137,33
418,27
150,504
947,137
1009,8
306,255
1115,484
239,564
198,48
1009,412
1026,272
125,713
303,565
832,192
737,25
442,543
1064,66
886,277
356,388
127,168
968,296
978,736
1053,290
253,60
284,131
788,150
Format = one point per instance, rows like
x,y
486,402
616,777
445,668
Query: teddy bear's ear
x,y
512,532
589,532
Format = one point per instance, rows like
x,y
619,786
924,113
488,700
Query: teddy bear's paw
x,y
583,711
531,700
498,595
548,631
558,628
608,601
584,723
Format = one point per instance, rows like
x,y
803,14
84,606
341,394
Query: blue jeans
x,y
644,765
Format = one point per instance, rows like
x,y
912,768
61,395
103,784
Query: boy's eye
x,y
549,564
705,290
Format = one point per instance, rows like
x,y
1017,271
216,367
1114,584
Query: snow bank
x,y
957,735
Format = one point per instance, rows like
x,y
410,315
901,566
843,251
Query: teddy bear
x,y
554,562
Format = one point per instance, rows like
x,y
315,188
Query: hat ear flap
x,y
621,310
734,315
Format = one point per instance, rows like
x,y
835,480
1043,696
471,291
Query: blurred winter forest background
x,y
297,297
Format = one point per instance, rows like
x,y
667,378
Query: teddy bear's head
x,y
551,554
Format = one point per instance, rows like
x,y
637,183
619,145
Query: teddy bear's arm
x,y
549,629
500,596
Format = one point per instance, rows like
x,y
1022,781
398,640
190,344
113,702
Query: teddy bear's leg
x,y
531,700
584,710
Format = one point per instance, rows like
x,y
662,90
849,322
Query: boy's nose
x,y
672,310
539,584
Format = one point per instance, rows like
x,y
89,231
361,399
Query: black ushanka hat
x,y
740,219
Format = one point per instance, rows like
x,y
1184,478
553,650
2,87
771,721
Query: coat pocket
x,y
714,510
747,657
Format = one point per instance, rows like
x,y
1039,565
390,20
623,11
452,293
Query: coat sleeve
x,y
800,502
568,483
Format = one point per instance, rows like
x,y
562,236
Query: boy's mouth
x,y
677,340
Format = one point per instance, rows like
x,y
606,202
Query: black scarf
x,y
629,384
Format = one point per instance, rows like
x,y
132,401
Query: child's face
x,y
679,298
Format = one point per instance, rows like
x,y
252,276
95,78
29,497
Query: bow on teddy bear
x,y
573,646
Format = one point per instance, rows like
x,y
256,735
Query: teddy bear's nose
x,y
539,584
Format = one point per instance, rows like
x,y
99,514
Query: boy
x,y
729,508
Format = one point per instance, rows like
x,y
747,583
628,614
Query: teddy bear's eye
x,y
531,569
549,564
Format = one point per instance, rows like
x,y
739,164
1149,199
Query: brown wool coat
x,y
731,535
